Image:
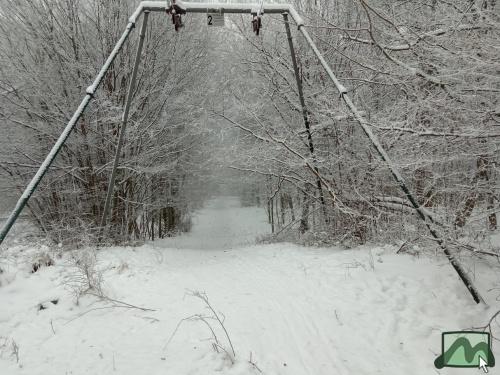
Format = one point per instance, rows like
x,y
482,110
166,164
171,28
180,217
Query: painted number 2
x,y
209,20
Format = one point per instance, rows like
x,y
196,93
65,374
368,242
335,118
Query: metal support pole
x,y
35,181
305,114
123,128
426,218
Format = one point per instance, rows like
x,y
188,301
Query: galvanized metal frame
x,y
123,127
305,115
159,6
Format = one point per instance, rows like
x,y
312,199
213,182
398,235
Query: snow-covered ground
x,y
291,310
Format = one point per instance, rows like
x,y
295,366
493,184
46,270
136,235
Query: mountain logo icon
x,y
465,349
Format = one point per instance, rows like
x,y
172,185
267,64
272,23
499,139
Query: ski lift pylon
x,y
157,6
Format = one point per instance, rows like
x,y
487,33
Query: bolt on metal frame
x,y
145,8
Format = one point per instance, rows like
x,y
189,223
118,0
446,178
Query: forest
x,y
424,74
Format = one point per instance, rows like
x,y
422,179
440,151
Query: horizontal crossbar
x,y
160,6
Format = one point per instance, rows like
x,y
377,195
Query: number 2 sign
x,y
215,19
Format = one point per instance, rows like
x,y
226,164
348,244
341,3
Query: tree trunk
x,y
483,172
492,218
304,221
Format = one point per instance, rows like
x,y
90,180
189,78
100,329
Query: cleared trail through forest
x,y
223,223
293,310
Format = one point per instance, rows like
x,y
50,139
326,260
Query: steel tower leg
x,y
123,127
